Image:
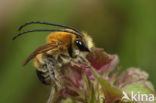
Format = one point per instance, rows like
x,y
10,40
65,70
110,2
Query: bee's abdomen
x,y
43,77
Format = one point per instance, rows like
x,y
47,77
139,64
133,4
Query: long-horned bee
x,y
63,46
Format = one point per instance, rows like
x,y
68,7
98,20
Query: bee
x,y
64,46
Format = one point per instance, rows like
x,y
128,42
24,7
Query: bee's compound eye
x,y
78,43
81,45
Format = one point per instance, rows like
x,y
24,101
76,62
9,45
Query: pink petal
x,y
102,61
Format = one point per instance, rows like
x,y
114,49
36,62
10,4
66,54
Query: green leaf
x,y
111,93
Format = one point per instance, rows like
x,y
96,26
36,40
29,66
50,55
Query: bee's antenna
x,y
38,30
47,23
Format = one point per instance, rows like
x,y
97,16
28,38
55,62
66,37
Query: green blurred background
x,y
127,28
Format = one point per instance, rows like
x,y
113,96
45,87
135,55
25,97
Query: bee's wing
x,y
41,49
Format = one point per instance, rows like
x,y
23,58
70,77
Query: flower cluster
x,y
98,81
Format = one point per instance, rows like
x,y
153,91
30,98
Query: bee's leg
x,y
52,69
